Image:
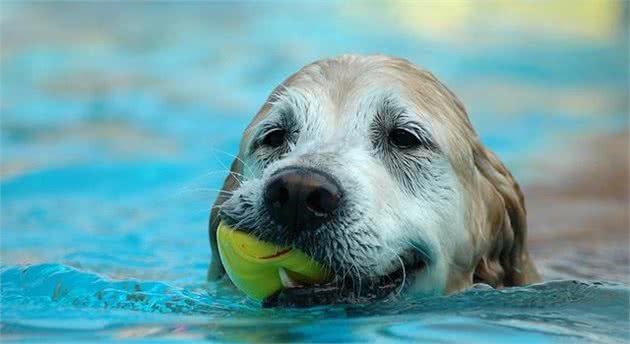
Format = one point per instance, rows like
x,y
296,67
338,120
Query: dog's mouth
x,y
347,290
343,289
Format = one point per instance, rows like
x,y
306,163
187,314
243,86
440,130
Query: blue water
x,y
61,302
118,124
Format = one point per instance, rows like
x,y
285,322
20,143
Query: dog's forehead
x,y
346,87
343,94
347,92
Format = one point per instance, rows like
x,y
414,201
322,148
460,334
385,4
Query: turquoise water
x,y
117,127
61,303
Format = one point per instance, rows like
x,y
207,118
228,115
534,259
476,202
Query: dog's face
x,y
371,167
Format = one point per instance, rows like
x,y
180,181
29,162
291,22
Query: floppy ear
x,y
506,261
215,269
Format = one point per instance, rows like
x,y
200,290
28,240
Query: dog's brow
x,y
388,106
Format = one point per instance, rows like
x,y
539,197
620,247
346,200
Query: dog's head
x,y
371,166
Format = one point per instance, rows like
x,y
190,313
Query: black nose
x,y
302,199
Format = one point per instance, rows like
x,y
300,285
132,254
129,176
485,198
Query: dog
x,y
371,166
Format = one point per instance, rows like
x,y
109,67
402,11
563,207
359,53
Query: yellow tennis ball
x,y
258,268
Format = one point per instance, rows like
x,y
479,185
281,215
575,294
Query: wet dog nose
x,y
302,199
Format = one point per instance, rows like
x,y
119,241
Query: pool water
x,y
118,122
61,303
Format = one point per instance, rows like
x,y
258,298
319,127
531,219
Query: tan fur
x,y
495,217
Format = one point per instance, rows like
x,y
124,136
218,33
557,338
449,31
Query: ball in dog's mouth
x,y
285,276
260,269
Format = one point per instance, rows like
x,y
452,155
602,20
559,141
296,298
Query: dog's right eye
x,y
404,139
275,138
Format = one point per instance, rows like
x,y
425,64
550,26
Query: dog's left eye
x,y
402,138
275,138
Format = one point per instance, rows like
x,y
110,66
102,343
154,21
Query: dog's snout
x,y
302,199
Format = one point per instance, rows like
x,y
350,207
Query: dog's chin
x,y
344,288
348,290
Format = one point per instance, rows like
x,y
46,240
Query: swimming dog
x,y
371,166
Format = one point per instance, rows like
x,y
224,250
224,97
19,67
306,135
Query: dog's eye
x,y
404,139
275,138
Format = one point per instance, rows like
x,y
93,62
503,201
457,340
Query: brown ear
x,y
506,261
215,269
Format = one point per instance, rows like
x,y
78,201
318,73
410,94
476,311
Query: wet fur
x,y
485,238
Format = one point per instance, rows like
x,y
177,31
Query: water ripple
x,y
34,298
